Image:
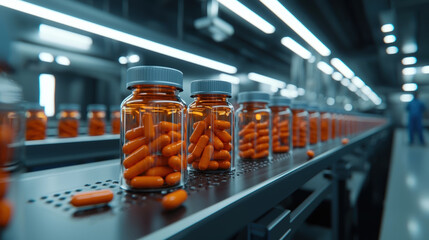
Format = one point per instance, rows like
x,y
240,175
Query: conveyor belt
x,y
218,205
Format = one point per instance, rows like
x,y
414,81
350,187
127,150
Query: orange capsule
x,y
159,143
198,131
245,146
147,182
5,212
217,143
169,126
262,154
227,146
222,155
262,147
213,165
134,133
262,125
173,178
344,141
172,149
136,156
210,119
310,153
205,158
224,164
222,125
159,171
250,137
247,154
132,145
160,160
175,163
139,167
263,132
175,136
174,200
195,164
149,130
201,144
191,147
224,136
280,149
245,132
92,198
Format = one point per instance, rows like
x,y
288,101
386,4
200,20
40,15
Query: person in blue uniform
x,y
415,110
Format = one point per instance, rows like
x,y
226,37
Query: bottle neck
x,y
254,105
152,90
211,97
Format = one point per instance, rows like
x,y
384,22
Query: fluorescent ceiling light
x,y
392,50
387,28
266,80
248,15
406,97
289,19
296,47
330,101
358,82
389,38
114,34
46,57
133,58
409,60
292,87
340,66
425,69
409,71
289,93
352,87
62,37
348,107
301,91
62,60
229,78
324,67
123,60
47,93
345,82
367,90
337,76
409,87
409,47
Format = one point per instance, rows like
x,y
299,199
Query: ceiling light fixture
x,y
409,87
425,69
296,48
248,15
389,39
392,50
387,28
409,71
229,78
289,19
266,80
358,82
46,57
340,66
406,97
114,34
337,76
324,67
62,60
62,37
409,60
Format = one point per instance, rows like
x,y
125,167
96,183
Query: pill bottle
x,y
299,125
334,124
340,120
96,119
314,124
281,124
253,126
115,119
210,124
68,120
153,130
36,121
325,124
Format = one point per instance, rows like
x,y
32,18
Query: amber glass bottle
x,y
299,125
211,122
281,124
153,130
115,119
96,119
36,121
253,126
68,120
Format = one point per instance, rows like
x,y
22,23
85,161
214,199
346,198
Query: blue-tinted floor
x,y
406,208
